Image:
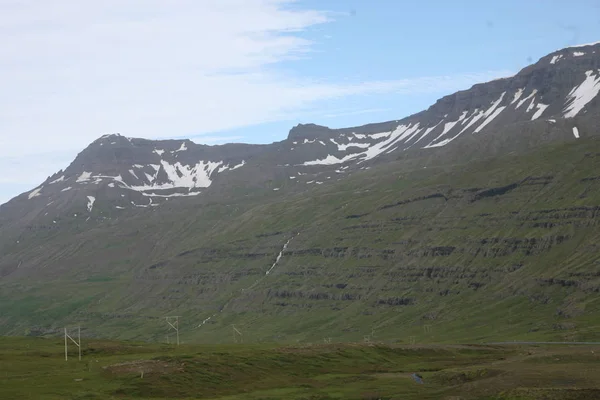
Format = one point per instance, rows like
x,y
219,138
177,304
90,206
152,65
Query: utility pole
x,y
174,325
77,343
235,333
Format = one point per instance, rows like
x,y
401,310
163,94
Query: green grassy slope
x,y
35,369
503,249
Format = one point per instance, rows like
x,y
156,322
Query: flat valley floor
x,y
35,368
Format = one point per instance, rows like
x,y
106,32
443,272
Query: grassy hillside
x,y
36,369
495,250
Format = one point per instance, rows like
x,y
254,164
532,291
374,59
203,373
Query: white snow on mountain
x,y
521,102
517,96
35,193
62,178
582,94
540,110
491,113
183,147
90,204
84,177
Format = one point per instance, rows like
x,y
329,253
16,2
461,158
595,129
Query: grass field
x,y
35,368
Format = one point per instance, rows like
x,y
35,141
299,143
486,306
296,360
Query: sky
x,y
218,71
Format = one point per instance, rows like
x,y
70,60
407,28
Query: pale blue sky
x,y
247,70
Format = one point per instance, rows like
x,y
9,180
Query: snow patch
x,y
581,95
183,147
380,135
240,165
400,133
556,59
331,160
134,175
489,119
184,176
35,193
576,132
541,108
491,113
517,96
66,189
159,152
84,177
90,205
112,185
520,103
531,105
62,178
578,53
343,147
428,131
171,195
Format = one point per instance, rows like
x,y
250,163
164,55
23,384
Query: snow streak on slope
x,y
521,102
62,178
90,205
399,134
576,132
279,256
343,147
448,126
331,160
84,177
582,94
518,95
491,113
35,193
240,165
541,108
428,131
185,176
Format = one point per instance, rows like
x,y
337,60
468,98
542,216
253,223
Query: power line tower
x,y
173,322
237,333
77,343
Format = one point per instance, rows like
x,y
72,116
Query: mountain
x,y
474,219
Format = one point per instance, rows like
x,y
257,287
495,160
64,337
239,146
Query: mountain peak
x,y
309,131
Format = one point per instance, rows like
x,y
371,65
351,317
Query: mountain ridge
x,y
489,197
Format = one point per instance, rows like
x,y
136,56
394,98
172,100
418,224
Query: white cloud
x,y
71,71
